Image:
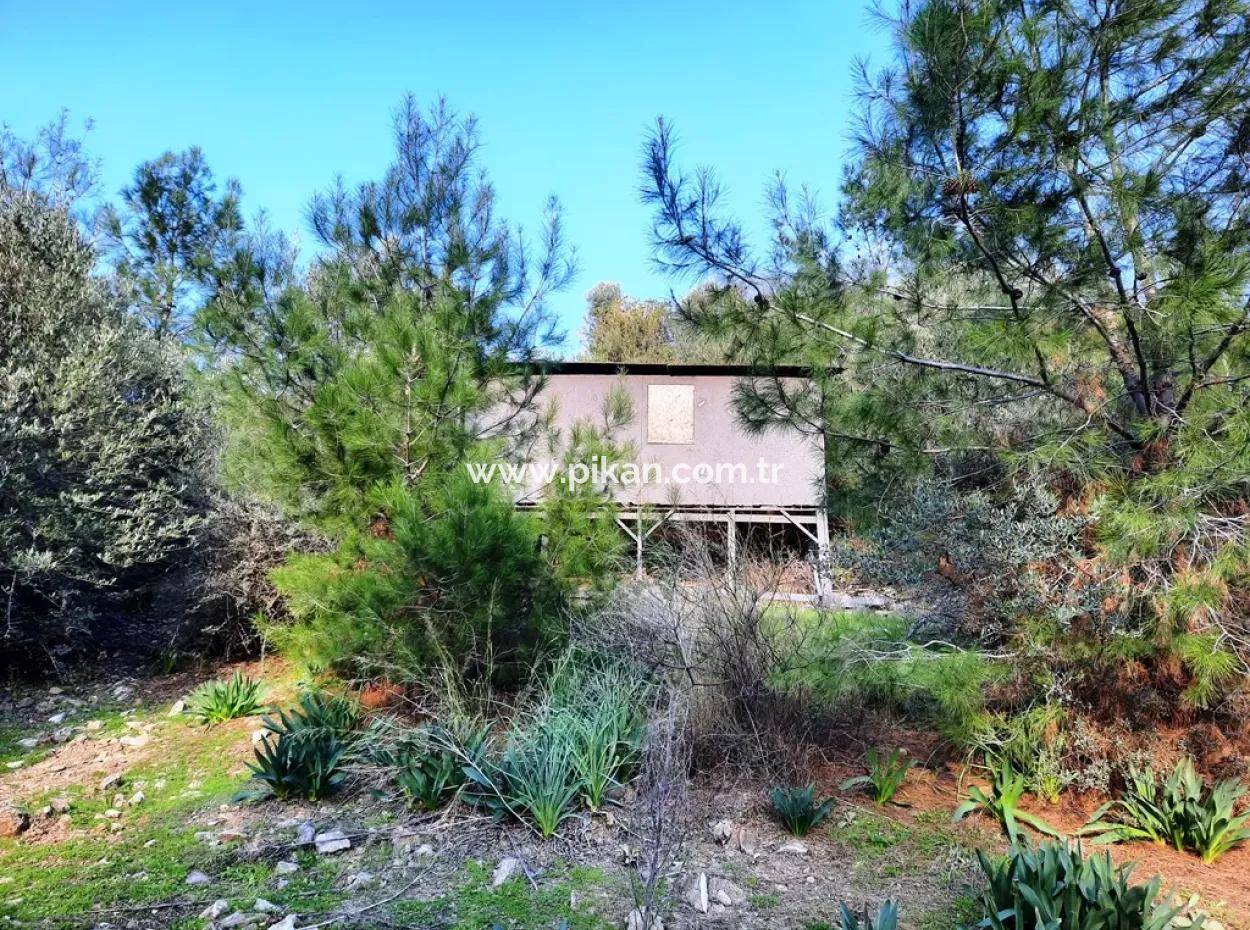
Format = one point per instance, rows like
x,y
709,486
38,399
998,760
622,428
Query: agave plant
x,y
886,917
430,767
798,809
218,701
1180,812
1053,886
1001,801
303,751
885,775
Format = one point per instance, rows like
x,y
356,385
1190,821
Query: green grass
x,y
55,882
764,902
514,905
964,911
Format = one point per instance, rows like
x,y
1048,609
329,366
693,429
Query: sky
x,y
284,97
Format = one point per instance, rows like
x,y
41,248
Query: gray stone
x,y
242,919
112,781
177,707
29,743
359,880
135,742
215,910
305,834
266,907
286,923
794,848
286,867
332,841
726,892
636,921
696,892
62,735
198,878
57,719
504,870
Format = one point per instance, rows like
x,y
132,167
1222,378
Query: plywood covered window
x,y
670,413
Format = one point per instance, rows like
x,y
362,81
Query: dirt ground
x,y
439,870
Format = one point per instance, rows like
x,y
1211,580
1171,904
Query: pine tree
x,y
1043,258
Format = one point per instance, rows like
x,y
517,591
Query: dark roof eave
x,y
661,368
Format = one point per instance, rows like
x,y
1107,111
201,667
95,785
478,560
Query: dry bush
x,y
244,539
660,817
728,644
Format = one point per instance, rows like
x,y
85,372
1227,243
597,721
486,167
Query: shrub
x,y
885,775
303,752
102,462
798,809
1001,802
1181,812
1053,885
451,573
217,701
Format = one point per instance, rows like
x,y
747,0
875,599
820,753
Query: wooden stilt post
x,y
731,543
823,581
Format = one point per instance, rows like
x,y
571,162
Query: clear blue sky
x,y
284,96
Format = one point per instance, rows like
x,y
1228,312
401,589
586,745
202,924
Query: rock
x,y
196,877
112,813
696,893
230,836
29,743
636,921
332,841
286,867
723,831
112,781
135,742
359,880
13,821
266,907
94,725
177,708
504,870
794,848
286,923
258,735
423,851
62,735
119,800
726,892
137,798
57,719
242,919
215,910
16,764
208,837
305,834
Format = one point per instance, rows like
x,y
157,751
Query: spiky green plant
x,y
1180,812
1054,886
218,701
798,809
1001,801
885,775
886,917
429,766
304,748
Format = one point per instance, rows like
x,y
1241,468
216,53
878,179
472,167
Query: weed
x,y
798,809
1181,812
1054,886
218,701
1001,802
885,775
